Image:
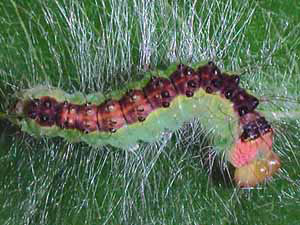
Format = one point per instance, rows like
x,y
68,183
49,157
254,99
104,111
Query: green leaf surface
x,y
102,46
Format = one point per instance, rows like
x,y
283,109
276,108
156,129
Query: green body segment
x,y
215,113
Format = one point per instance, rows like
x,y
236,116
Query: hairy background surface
x,y
100,45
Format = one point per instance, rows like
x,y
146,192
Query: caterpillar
x,y
164,100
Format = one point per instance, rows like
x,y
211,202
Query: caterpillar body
x,y
160,102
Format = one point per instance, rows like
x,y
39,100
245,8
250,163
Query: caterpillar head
x,y
258,170
252,154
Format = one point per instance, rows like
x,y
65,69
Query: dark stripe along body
x,y
137,104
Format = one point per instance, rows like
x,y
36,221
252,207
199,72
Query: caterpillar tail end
x,y
255,161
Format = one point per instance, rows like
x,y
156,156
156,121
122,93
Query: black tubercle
x,y
165,104
181,67
189,93
44,118
236,79
211,63
243,110
192,84
32,114
141,118
254,103
229,94
165,94
186,70
209,90
215,70
263,125
249,134
47,104
243,102
35,102
112,130
255,129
